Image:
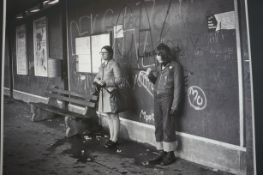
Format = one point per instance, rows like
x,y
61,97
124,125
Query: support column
x,y
2,30
255,38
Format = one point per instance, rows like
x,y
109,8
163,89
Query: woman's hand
x,y
148,71
173,111
102,83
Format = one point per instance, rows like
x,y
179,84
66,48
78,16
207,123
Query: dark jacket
x,y
168,82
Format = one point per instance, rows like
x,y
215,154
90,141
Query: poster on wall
x,y
83,54
40,46
88,52
21,57
97,42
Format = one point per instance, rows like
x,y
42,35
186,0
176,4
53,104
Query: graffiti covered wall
x,y
206,50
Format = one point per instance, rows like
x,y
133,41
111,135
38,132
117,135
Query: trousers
x,y
164,123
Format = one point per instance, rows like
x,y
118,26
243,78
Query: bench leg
x,y
74,126
39,115
33,111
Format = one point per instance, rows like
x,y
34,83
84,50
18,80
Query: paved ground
x,y
40,148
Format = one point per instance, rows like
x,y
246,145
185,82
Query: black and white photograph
x,y
131,87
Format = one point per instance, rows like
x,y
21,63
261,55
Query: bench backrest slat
x,y
72,100
68,93
62,91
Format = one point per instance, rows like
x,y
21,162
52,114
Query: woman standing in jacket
x,y
108,79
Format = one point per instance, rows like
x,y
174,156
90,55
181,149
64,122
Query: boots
x,y
158,159
111,145
168,159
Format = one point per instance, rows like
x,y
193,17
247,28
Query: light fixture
x,y
51,2
34,9
20,16
45,2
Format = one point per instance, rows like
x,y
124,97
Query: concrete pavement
x,y
40,148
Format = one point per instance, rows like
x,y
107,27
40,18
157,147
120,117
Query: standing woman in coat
x,y
108,79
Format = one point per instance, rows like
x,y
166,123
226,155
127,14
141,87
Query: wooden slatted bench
x,y
73,120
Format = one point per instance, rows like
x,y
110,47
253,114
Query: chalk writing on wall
x,y
148,118
197,98
143,81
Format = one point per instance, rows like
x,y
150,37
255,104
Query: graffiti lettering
x,y
197,98
143,81
149,118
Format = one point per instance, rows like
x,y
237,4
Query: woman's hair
x,y
109,49
164,51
